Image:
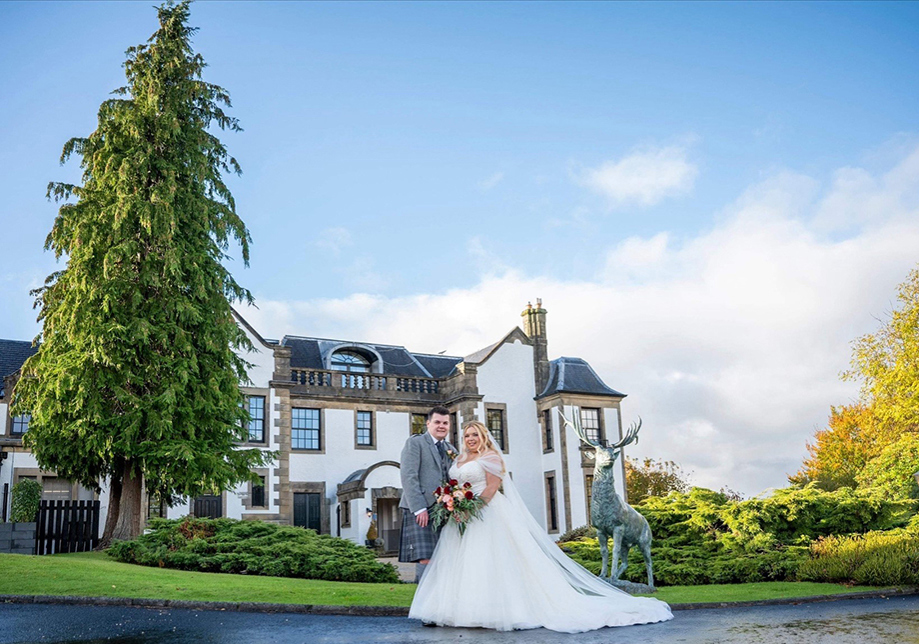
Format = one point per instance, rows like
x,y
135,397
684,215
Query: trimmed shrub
x,y
872,559
706,537
252,548
26,498
576,534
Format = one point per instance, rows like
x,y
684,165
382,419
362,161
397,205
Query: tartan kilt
x,y
415,542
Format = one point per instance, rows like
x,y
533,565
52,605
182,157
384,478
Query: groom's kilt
x,y
416,542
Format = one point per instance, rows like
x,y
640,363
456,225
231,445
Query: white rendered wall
x,y
341,459
553,461
575,478
507,377
613,435
261,359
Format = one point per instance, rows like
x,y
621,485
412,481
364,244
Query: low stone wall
x,y
17,538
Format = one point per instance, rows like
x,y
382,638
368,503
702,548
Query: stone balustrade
x,y
320,380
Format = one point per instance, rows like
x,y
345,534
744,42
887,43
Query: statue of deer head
x,y
604,454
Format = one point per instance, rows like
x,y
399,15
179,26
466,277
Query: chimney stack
x,y
534,325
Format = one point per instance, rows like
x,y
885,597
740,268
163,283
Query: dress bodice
x,y
471,472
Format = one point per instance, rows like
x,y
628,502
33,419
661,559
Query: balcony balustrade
x,y
330,381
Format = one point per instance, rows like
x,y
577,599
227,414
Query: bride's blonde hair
x,y
485,442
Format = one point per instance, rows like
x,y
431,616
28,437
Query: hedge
x,y
254,548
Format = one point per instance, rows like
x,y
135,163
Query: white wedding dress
x,y
505,573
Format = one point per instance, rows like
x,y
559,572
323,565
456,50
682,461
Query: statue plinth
x,y
632,587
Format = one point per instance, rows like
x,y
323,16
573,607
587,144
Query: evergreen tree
x,y
137,374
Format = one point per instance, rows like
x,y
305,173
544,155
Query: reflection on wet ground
x,y
885,621
887,626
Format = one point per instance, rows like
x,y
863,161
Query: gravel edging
x,y
395,611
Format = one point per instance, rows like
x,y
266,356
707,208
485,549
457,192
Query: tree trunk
x,y
114,506
132,492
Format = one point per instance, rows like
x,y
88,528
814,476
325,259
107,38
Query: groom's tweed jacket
x,y
422,471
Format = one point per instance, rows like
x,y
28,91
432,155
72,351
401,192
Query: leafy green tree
x,y
892,472
887,363
653,478
839,452
872,442
137,374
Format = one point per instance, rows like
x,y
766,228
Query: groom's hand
x,y
422,519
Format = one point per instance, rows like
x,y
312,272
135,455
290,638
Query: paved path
x,y
885,621
406,570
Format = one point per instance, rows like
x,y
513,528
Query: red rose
x,y
448,490
454,482
438,491
469,494
467,485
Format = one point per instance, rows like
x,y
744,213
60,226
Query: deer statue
x,y
609,514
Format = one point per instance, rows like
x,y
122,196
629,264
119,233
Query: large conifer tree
x,y
137,375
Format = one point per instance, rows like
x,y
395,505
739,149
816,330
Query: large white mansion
x,y
338,412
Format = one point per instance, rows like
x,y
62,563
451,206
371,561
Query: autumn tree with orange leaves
x,y
875,442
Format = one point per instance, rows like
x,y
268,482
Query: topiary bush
x,y
253,548
25,499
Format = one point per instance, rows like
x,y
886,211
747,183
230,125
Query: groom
x,y
424,465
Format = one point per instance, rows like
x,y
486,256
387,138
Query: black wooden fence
x,y
67,526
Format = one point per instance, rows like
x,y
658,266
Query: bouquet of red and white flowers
x,y
456,503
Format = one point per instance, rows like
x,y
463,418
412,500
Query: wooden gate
x,y
208,506
67,526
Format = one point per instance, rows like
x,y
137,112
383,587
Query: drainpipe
x,y
3,456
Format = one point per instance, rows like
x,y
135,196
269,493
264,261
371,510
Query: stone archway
x,y
384,503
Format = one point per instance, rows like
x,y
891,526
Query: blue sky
x,y
439,164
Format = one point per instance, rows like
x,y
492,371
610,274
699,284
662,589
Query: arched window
x,y
350,361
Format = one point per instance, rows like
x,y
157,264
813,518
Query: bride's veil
x,y
578,577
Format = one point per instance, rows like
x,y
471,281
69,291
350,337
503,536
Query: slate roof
x,y
308,353
12,354
575,376
481,354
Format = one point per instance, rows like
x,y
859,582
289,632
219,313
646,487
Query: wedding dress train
x,y
505,573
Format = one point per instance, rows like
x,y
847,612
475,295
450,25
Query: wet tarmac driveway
x,y
885,621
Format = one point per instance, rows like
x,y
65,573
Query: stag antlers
x,y
631,434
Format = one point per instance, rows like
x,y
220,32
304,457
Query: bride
x,y
506,573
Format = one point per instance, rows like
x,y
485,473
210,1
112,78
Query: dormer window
x,y
350,361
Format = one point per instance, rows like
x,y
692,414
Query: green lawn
x,y
95,575
751,592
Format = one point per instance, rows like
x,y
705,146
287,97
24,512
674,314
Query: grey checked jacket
x,y
421,471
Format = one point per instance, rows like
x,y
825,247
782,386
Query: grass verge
x,y
758,591
96,575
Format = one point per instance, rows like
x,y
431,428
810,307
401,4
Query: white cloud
x,y
362,275
334,240
492,181
645,177
729,343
